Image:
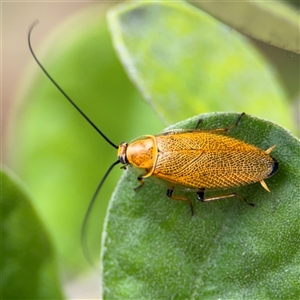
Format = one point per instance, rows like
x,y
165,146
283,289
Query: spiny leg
x,y
233,125
237,122
225,128
198,123
200,197
179,198
141,181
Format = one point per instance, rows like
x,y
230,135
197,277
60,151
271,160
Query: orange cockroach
x,y
194,159
198,160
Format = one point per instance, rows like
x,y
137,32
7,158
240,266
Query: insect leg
x,y
226,128
200,193
179,198
198,123
233,125
141,181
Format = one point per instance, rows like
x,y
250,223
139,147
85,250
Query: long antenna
x,y
61,90
84,244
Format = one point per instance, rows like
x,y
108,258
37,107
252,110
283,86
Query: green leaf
x,y
28,267
273,22
185,62
62,159
154,249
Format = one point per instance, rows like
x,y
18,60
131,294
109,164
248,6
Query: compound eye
x,y
122,159
122,153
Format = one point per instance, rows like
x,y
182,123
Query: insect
x,y
198,160
194,159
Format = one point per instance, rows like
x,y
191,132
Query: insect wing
x,y
200,159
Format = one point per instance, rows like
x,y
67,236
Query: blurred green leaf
x,y
28,266
62,159
154,249
273,22
185,62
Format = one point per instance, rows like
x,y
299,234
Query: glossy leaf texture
x,y
28,264
154,249
185,62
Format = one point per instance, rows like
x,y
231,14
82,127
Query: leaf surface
x,y
154,249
